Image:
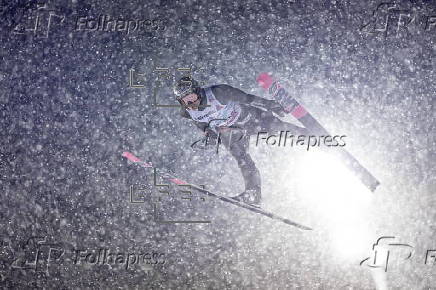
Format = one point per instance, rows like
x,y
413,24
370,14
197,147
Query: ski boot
x,y
249,196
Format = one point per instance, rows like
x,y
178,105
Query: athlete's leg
x,y
238,148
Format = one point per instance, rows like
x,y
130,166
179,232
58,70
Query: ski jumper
x,y
231,107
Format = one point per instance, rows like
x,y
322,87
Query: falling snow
x,y
68,113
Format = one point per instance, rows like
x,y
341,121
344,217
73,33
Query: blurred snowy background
x,y
365,69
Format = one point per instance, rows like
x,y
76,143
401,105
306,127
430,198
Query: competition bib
x,y
216,114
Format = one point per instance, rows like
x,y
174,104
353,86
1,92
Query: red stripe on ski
x,y
178,181
135,159
131,157
299,112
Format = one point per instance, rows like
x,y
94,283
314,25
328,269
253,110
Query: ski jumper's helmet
x,y
185,86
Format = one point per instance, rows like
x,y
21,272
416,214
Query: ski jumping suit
x,y
223,106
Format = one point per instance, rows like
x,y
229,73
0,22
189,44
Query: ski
x,y
292,106
131,157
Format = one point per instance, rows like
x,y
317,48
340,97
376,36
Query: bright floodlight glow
x,y
339,200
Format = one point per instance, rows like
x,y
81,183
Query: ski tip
x,y
130,156
289,222
374,186
264,80
303,227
